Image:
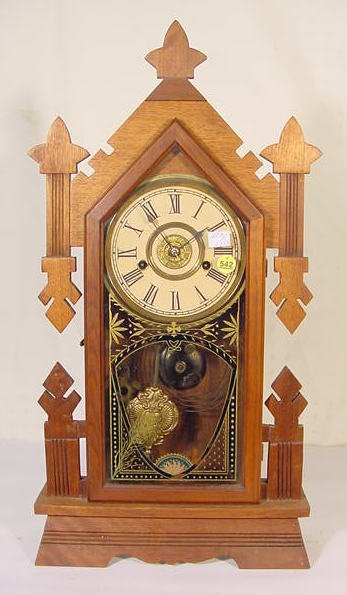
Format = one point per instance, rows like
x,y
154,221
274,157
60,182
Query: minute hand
x,y
151,220
194,236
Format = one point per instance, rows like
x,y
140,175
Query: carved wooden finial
x,y
175,59
58,155
291,154
62,434
292,158
58,407
285,437
58,159
287,408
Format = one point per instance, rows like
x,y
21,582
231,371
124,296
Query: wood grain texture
x,y
291,158
58,158
62,466
62,434
58,155
60,292
143,128
291,154
251,398
175,59
175,90
291,291
252,543
58,214
291,238
290,264
56,506
285,438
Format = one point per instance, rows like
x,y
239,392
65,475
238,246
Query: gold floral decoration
x,y
173,328
140,329
231,330
207,329
116,328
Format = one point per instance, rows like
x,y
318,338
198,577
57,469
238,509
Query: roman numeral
x,y
223,250
132,253
151,295
175,301
216,275
200,294
133,276
138,231
149,211
175,203
217,226
199,209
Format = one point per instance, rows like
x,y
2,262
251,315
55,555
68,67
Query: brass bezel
x,y
173,277
177,180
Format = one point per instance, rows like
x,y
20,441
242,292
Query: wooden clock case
x,y
254,521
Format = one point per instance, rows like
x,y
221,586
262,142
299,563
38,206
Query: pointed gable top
x,y
175,98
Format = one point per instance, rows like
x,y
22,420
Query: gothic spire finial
x,y
175,59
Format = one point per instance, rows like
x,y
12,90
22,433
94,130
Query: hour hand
x,y
195,236
152,220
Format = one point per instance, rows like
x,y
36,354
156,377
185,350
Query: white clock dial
x,y
175,252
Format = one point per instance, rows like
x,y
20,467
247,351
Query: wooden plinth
x,y
81,533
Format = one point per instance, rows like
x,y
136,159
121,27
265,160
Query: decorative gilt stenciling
x,y
292,158
129,460
285,437
131,330
60,290
208,329
175,60
231,329
58,159
117,329
173,328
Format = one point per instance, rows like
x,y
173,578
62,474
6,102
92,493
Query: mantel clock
x,y
175,227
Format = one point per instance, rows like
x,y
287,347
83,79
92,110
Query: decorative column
x,y
62,434
58,159
291,158
285,438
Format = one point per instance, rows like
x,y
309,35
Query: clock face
x,y
175,251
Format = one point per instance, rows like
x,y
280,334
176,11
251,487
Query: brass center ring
x,y
174,250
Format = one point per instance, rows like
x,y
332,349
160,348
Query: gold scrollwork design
x,y
152,416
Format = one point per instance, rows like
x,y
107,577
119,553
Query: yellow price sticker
x,y
226,264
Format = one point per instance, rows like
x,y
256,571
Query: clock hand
x,y
151,220
194,236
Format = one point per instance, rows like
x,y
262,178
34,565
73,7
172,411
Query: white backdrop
x,y
267,60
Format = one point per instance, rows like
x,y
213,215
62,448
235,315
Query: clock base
x,y
82,533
